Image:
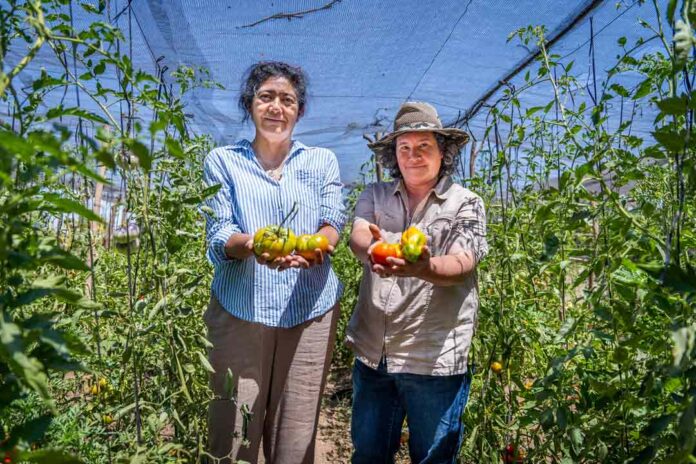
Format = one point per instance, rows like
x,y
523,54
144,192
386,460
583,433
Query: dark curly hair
x,y
260,72
450,155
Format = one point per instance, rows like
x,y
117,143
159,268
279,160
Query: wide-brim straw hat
x,y
419,117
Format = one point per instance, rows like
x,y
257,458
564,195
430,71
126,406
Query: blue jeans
x,y
432,404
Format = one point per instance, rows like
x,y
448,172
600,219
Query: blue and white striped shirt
x,y
250,199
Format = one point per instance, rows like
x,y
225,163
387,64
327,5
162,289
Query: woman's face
x,y
275,108
419,158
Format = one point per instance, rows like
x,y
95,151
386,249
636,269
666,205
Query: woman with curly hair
x,y
414,321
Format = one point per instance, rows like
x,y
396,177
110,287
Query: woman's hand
x,y
377,239
399,267
319,256
294,261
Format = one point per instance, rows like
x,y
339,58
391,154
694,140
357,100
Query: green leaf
x,y
533,109
32,430
65,205
59,111
670,139
12,144
673,105
643,89
567,326
29,370
620,90
546,419
551,246
686,426
106,158
65,260
46,456
100,68
576,439
174,148
208,210
658,425
671,8
205,362
645,456
141,151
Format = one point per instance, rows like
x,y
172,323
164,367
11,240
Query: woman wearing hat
x,y
273,331
414,321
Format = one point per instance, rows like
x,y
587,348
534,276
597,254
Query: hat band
x,y
418,126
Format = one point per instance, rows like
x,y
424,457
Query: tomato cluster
x,y
281,241
99,387
410,247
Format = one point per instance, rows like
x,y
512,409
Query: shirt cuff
x,y
216,248
336,220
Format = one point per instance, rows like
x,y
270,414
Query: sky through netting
x,y
363,58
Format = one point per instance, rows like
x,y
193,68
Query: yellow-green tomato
x,y
274,240
412,243
308,244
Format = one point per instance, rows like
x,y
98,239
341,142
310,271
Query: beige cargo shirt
x,y
420,328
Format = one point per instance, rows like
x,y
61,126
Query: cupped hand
x,y
401,268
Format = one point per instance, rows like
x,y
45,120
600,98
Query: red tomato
x,y
383,250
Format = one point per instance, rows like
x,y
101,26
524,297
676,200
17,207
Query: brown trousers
x,y
278,374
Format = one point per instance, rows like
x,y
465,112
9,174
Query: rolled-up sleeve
x,y
220,222
332,208
470,229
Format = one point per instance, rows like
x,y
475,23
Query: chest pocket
x,y
391,222
439,232
309,184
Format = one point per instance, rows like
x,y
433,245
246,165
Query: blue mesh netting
x,y
363,57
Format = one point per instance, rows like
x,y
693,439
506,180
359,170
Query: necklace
x,y
276,173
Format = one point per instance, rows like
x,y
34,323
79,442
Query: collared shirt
x,y
420,328
250,199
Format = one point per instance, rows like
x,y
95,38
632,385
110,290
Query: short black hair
x,y
260,72
449,149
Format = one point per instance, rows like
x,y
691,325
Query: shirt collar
x,y
441,190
